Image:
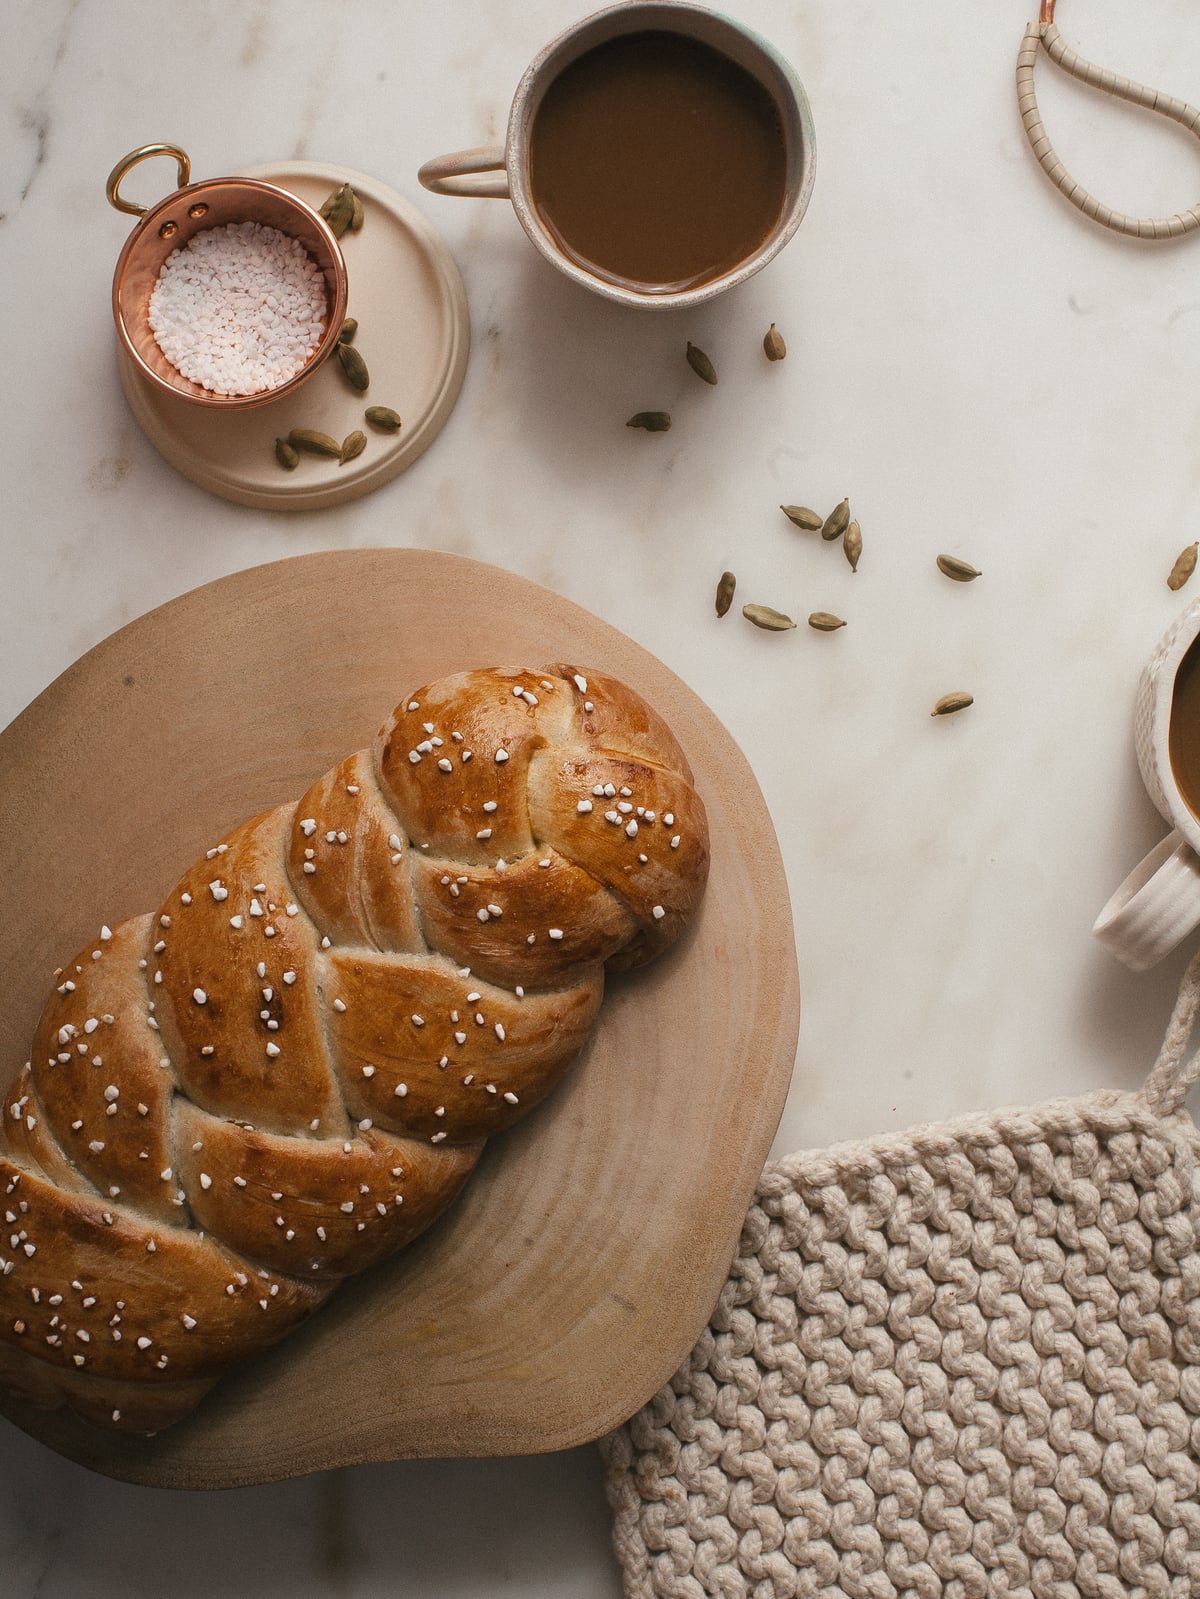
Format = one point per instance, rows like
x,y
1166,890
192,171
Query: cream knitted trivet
x,y
959,1361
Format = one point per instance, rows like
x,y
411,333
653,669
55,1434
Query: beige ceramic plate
x,y
414,334
585,1256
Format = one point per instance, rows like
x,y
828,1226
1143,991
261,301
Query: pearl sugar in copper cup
x,y
171,224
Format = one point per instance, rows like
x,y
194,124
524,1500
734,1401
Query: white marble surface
x,y
977,367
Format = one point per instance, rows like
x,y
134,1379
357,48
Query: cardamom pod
x,y
836,523
383,418
357,214
725,590
1185,565
825,621
349,329
353,444
286,455
852,544
767,617
651,421
354,367
960,571
338,210
773,344
810,521
949,703
700,364
315,443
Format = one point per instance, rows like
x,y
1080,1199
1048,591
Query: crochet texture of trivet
x,y
961,1361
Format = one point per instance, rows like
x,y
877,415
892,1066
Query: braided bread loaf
x,y
288,1070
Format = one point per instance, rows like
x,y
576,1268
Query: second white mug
x,y
1158,904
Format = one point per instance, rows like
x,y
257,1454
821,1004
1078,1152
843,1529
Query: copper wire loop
x,y
1044,35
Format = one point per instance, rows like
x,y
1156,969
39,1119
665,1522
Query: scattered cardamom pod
x,y
354,367
949,703
353,444
960,571
767,617
383,418
836,523
651,421
357,214
852,544
825,621
700,364
773,344
725,590
349,329
315,443
286,455
810,521
1185,565
338,210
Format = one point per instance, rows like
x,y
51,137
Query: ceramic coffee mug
x,y
505,171
1158,904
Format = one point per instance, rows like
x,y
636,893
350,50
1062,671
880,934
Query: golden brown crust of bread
x,y
289,1069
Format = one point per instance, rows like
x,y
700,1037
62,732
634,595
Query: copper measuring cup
x,y
170,224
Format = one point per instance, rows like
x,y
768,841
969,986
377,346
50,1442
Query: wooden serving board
x,y
585,1255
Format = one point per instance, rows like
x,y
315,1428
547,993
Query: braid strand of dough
x,y
289,1069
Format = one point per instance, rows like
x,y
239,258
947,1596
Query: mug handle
x,y
1155,908
479,173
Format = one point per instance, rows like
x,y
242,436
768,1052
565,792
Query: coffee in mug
x,y
656,161
1183,737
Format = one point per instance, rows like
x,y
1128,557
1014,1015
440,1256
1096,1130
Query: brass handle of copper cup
x,y
131,207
